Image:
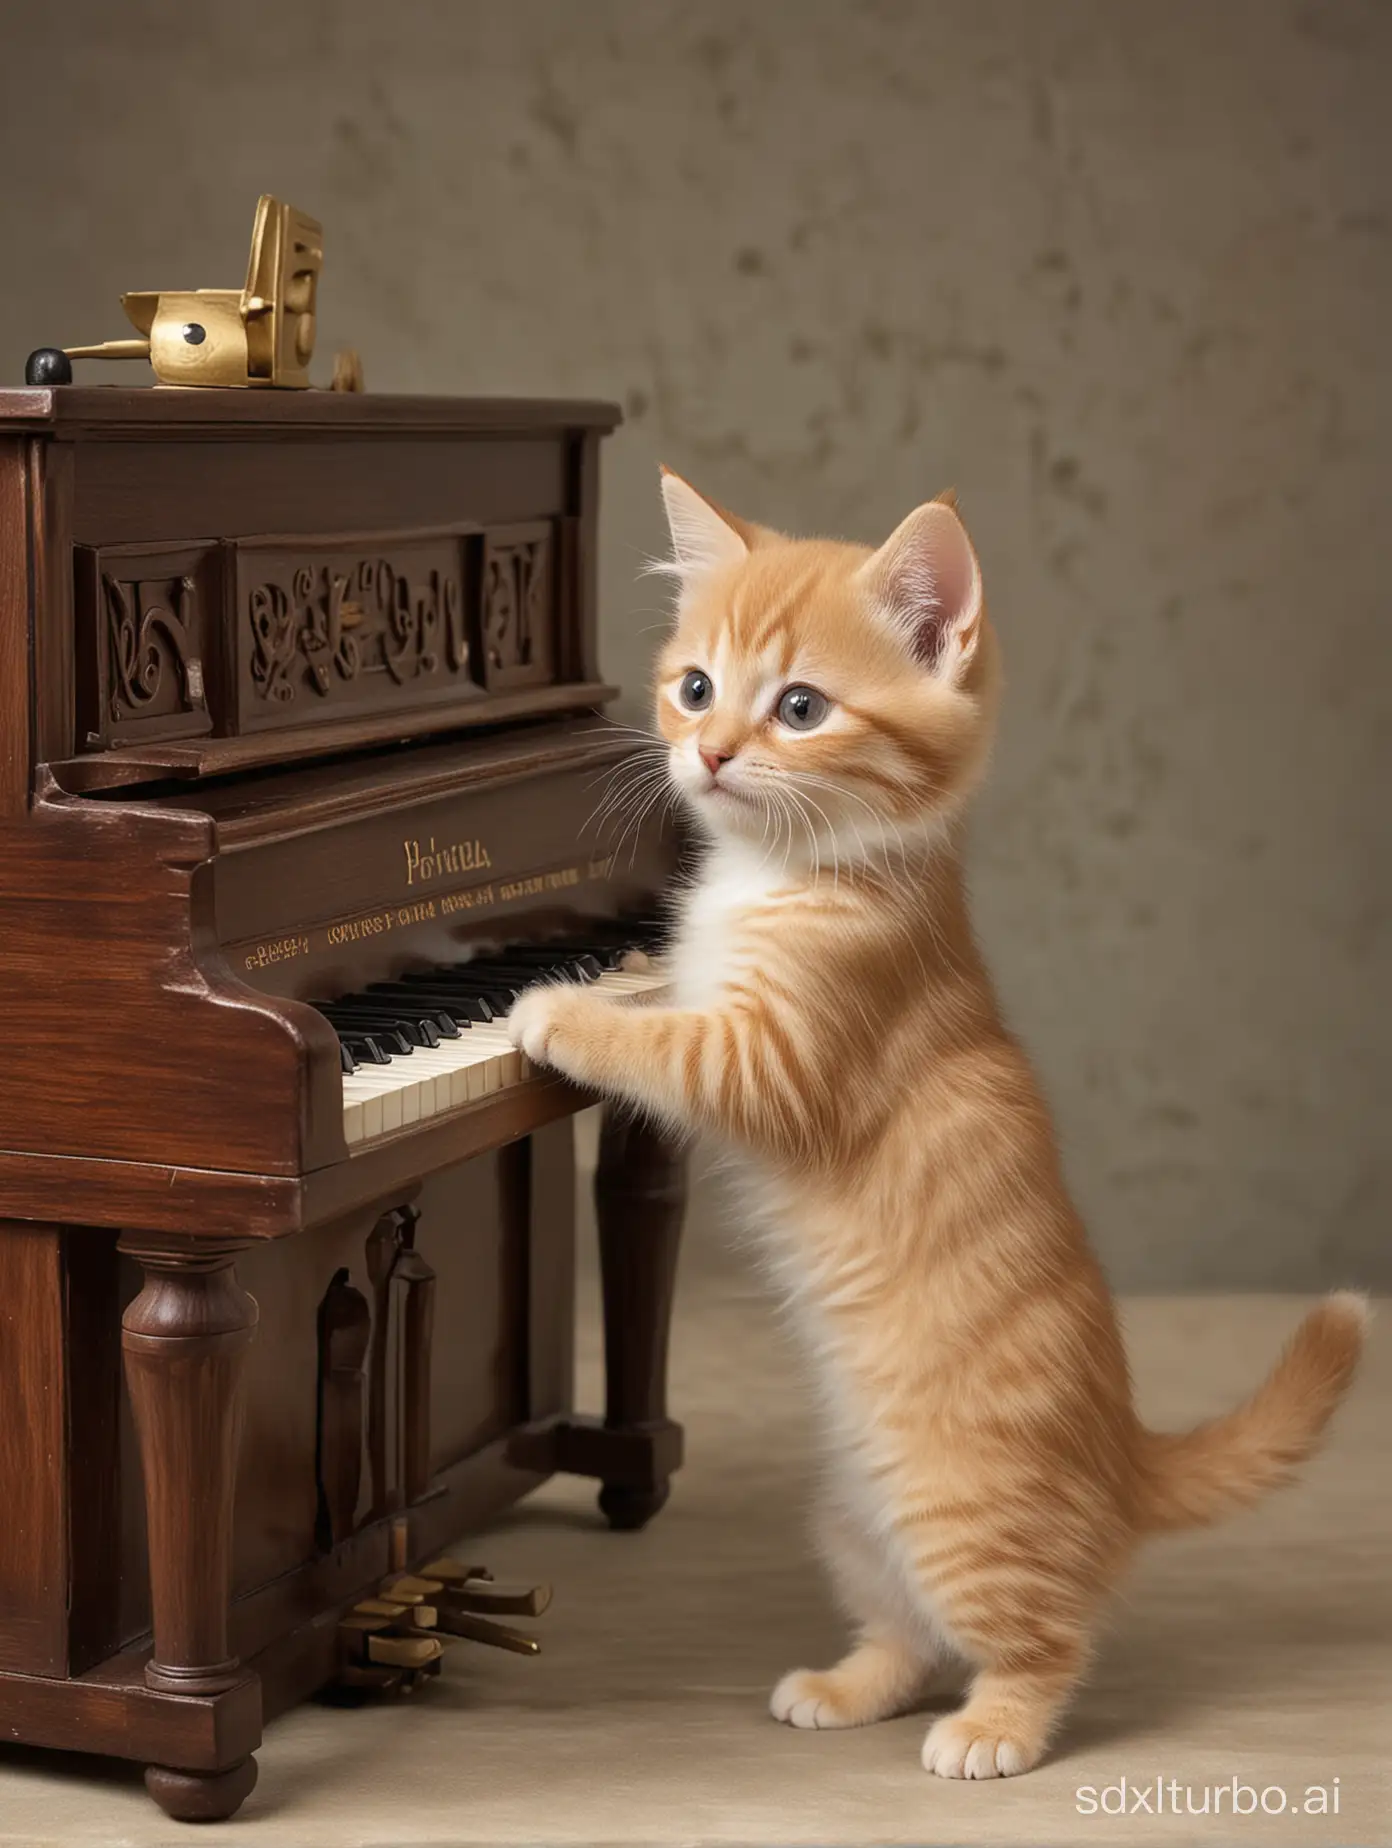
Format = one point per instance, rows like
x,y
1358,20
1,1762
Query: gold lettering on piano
x,y
432,862
278,950
370,924
539,883
354,930
474,898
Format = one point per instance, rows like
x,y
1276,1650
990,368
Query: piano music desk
x,y
293,703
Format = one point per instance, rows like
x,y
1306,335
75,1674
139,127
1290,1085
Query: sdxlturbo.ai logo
x,y
1168,1797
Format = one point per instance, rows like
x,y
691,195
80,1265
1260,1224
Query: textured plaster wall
x,y
1118,270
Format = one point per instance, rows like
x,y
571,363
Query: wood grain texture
x,y
112,1711
117,888
33,1443
298,483
52,473
16,679
222,1204
187,761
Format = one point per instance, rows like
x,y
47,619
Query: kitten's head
x,y
815,695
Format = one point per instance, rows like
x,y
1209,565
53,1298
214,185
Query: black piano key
x,y
366,1048
459,1009
620,937
407,1004
345,1057
498,994
558,956
392,1039
419,1024
605,954
399,1035
524,975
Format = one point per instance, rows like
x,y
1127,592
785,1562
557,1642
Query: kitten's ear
x,y
704,537
926,583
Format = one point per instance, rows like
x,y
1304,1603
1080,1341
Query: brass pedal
x,y
388,1642
470,1629
471,1591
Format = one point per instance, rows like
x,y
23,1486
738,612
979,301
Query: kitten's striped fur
x,y
986,1477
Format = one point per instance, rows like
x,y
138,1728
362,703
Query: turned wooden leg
x,y
185,1339
640,1198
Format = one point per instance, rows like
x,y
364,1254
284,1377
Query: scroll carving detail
x,y
151,630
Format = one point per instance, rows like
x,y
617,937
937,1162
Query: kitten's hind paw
x,y
958,1746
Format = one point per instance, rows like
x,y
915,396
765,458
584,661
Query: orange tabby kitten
x,y
827,710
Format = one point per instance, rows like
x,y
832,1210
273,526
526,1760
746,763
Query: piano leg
x,y
640,1199
184,1339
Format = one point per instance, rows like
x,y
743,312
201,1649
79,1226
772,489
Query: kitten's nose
x,y
714,759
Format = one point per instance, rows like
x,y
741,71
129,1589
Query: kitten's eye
x,y
696,691
803,708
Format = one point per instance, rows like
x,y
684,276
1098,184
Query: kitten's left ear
x,y
926,583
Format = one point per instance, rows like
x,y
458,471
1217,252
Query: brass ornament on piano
x,y
261,335
390,1642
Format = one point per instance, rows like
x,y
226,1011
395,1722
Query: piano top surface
x,y
72,410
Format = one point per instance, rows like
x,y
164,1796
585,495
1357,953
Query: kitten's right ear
x,y
704,537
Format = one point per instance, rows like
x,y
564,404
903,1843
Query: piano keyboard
x,y
437,1038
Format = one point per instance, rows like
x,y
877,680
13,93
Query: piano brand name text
x,y
431,862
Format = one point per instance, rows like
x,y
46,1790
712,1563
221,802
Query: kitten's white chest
x,y
708,950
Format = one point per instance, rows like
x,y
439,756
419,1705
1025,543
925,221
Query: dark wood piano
x,y
297,749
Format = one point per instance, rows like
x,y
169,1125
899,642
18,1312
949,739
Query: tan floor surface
x,y
1262,1651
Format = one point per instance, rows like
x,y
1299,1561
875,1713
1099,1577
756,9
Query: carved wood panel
x,y
350,626
145,670
241,636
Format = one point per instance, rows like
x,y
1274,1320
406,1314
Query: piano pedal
x,y
389,1643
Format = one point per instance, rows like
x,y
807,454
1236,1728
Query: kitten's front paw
x,y
874,1682
806,1699
533,1019
548,1024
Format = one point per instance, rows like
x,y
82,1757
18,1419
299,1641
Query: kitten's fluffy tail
x,y
1190,1478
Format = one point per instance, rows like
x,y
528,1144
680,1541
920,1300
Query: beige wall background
x,y
1119,271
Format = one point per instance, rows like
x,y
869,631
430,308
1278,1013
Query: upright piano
x,y
298,748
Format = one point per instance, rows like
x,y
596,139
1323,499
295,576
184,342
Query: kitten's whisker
x,y
635,825
807,823
641,778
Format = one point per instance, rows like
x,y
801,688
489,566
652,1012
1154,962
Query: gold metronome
x,y
262,335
